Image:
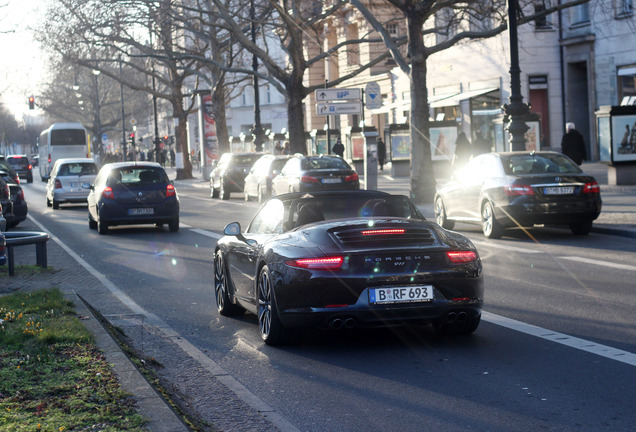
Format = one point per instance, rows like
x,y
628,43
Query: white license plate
x,y
332,180
141,211
408,294
76,185
559,190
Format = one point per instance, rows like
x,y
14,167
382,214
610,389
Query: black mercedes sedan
x,y
132,193
519,190
341,259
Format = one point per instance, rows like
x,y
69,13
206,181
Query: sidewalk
x,y
618,215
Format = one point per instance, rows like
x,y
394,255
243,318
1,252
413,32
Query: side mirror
x,y
234,229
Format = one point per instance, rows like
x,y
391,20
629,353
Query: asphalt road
x,y
555,350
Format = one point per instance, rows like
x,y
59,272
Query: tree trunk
x,y
422,175
181,137
218,108
296,115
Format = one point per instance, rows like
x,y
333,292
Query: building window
x,y
627,85
542,22
353,50
581,14
392,29
624,8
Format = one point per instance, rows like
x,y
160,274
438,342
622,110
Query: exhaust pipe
x,y
451,317
350,323
336,323
462,316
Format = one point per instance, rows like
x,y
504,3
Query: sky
x,y
21,62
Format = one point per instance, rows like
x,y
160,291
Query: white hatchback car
x,y
65,185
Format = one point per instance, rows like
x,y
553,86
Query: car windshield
x,y
538,164
323,163
138,175
245,160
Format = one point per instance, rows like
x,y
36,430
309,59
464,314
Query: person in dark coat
x,y
381,153
338,148
573,144
463,151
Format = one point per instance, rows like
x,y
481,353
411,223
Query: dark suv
x,y
229,175
22,166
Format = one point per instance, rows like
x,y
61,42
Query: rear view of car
x,y
22,166
229,175
132,193
67,181
315,173
15,206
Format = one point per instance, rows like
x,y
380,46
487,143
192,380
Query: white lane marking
x,y
562,338
600,263
242,392
207,233
506,247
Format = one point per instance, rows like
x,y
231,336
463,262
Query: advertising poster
x,y
357,147
533,136
624,138
401,146
443,142
211,145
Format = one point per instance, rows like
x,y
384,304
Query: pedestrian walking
x,y
381,153
278,149
463,151
286,149
573,144
338,148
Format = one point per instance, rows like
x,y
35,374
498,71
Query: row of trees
x,y
170,49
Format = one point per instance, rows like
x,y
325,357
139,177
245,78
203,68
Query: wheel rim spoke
x,y
219,285
264,304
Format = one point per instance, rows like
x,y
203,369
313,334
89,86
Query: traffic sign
x,y
335,94
373,99
339,108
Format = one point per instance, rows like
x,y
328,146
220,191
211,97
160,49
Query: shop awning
x,y
456,99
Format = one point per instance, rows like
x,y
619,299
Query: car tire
x,y
490,226
581,228
48,202
173,225
272,330
102,226
56,204
460,326
221,292
440,214
224,192
91,222
214,192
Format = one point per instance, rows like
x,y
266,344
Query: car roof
x,y
334,193
75,160
132,164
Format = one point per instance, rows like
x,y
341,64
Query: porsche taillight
x,y
459,257
322,263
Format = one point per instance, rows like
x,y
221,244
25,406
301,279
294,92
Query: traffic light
x,y
132,139
31,102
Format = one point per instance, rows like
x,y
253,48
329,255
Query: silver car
x,y
65,185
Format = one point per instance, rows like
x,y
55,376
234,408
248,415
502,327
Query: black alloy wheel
x,y
91,222
272,330
223,303
102,226
440,215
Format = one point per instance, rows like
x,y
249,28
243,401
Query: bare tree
x,y
420,18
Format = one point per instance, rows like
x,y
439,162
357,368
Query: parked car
x,y
18,205
312,173
229,174
3,247
22,166
519,189
341,259
3,221
127,193
5,200
67,180
258,182
8,168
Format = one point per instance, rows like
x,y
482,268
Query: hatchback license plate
x,y
141,211
332,180
559,190
409,294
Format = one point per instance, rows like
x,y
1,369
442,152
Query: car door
x,y
280,183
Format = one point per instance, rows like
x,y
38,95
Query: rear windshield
x,y
538,164
245,160
324,163
18,161
68,137
77,169
138,175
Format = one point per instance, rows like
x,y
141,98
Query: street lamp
x,y
516,109
98,121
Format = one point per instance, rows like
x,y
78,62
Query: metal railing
x,y
23,238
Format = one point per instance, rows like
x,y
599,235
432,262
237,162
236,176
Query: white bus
x,y
61,140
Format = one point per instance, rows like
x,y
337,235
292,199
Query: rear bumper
x,y
563,213
116,214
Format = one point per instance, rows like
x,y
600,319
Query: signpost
x,y
339,108
334,94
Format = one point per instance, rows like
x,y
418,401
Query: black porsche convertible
x,y
337,260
